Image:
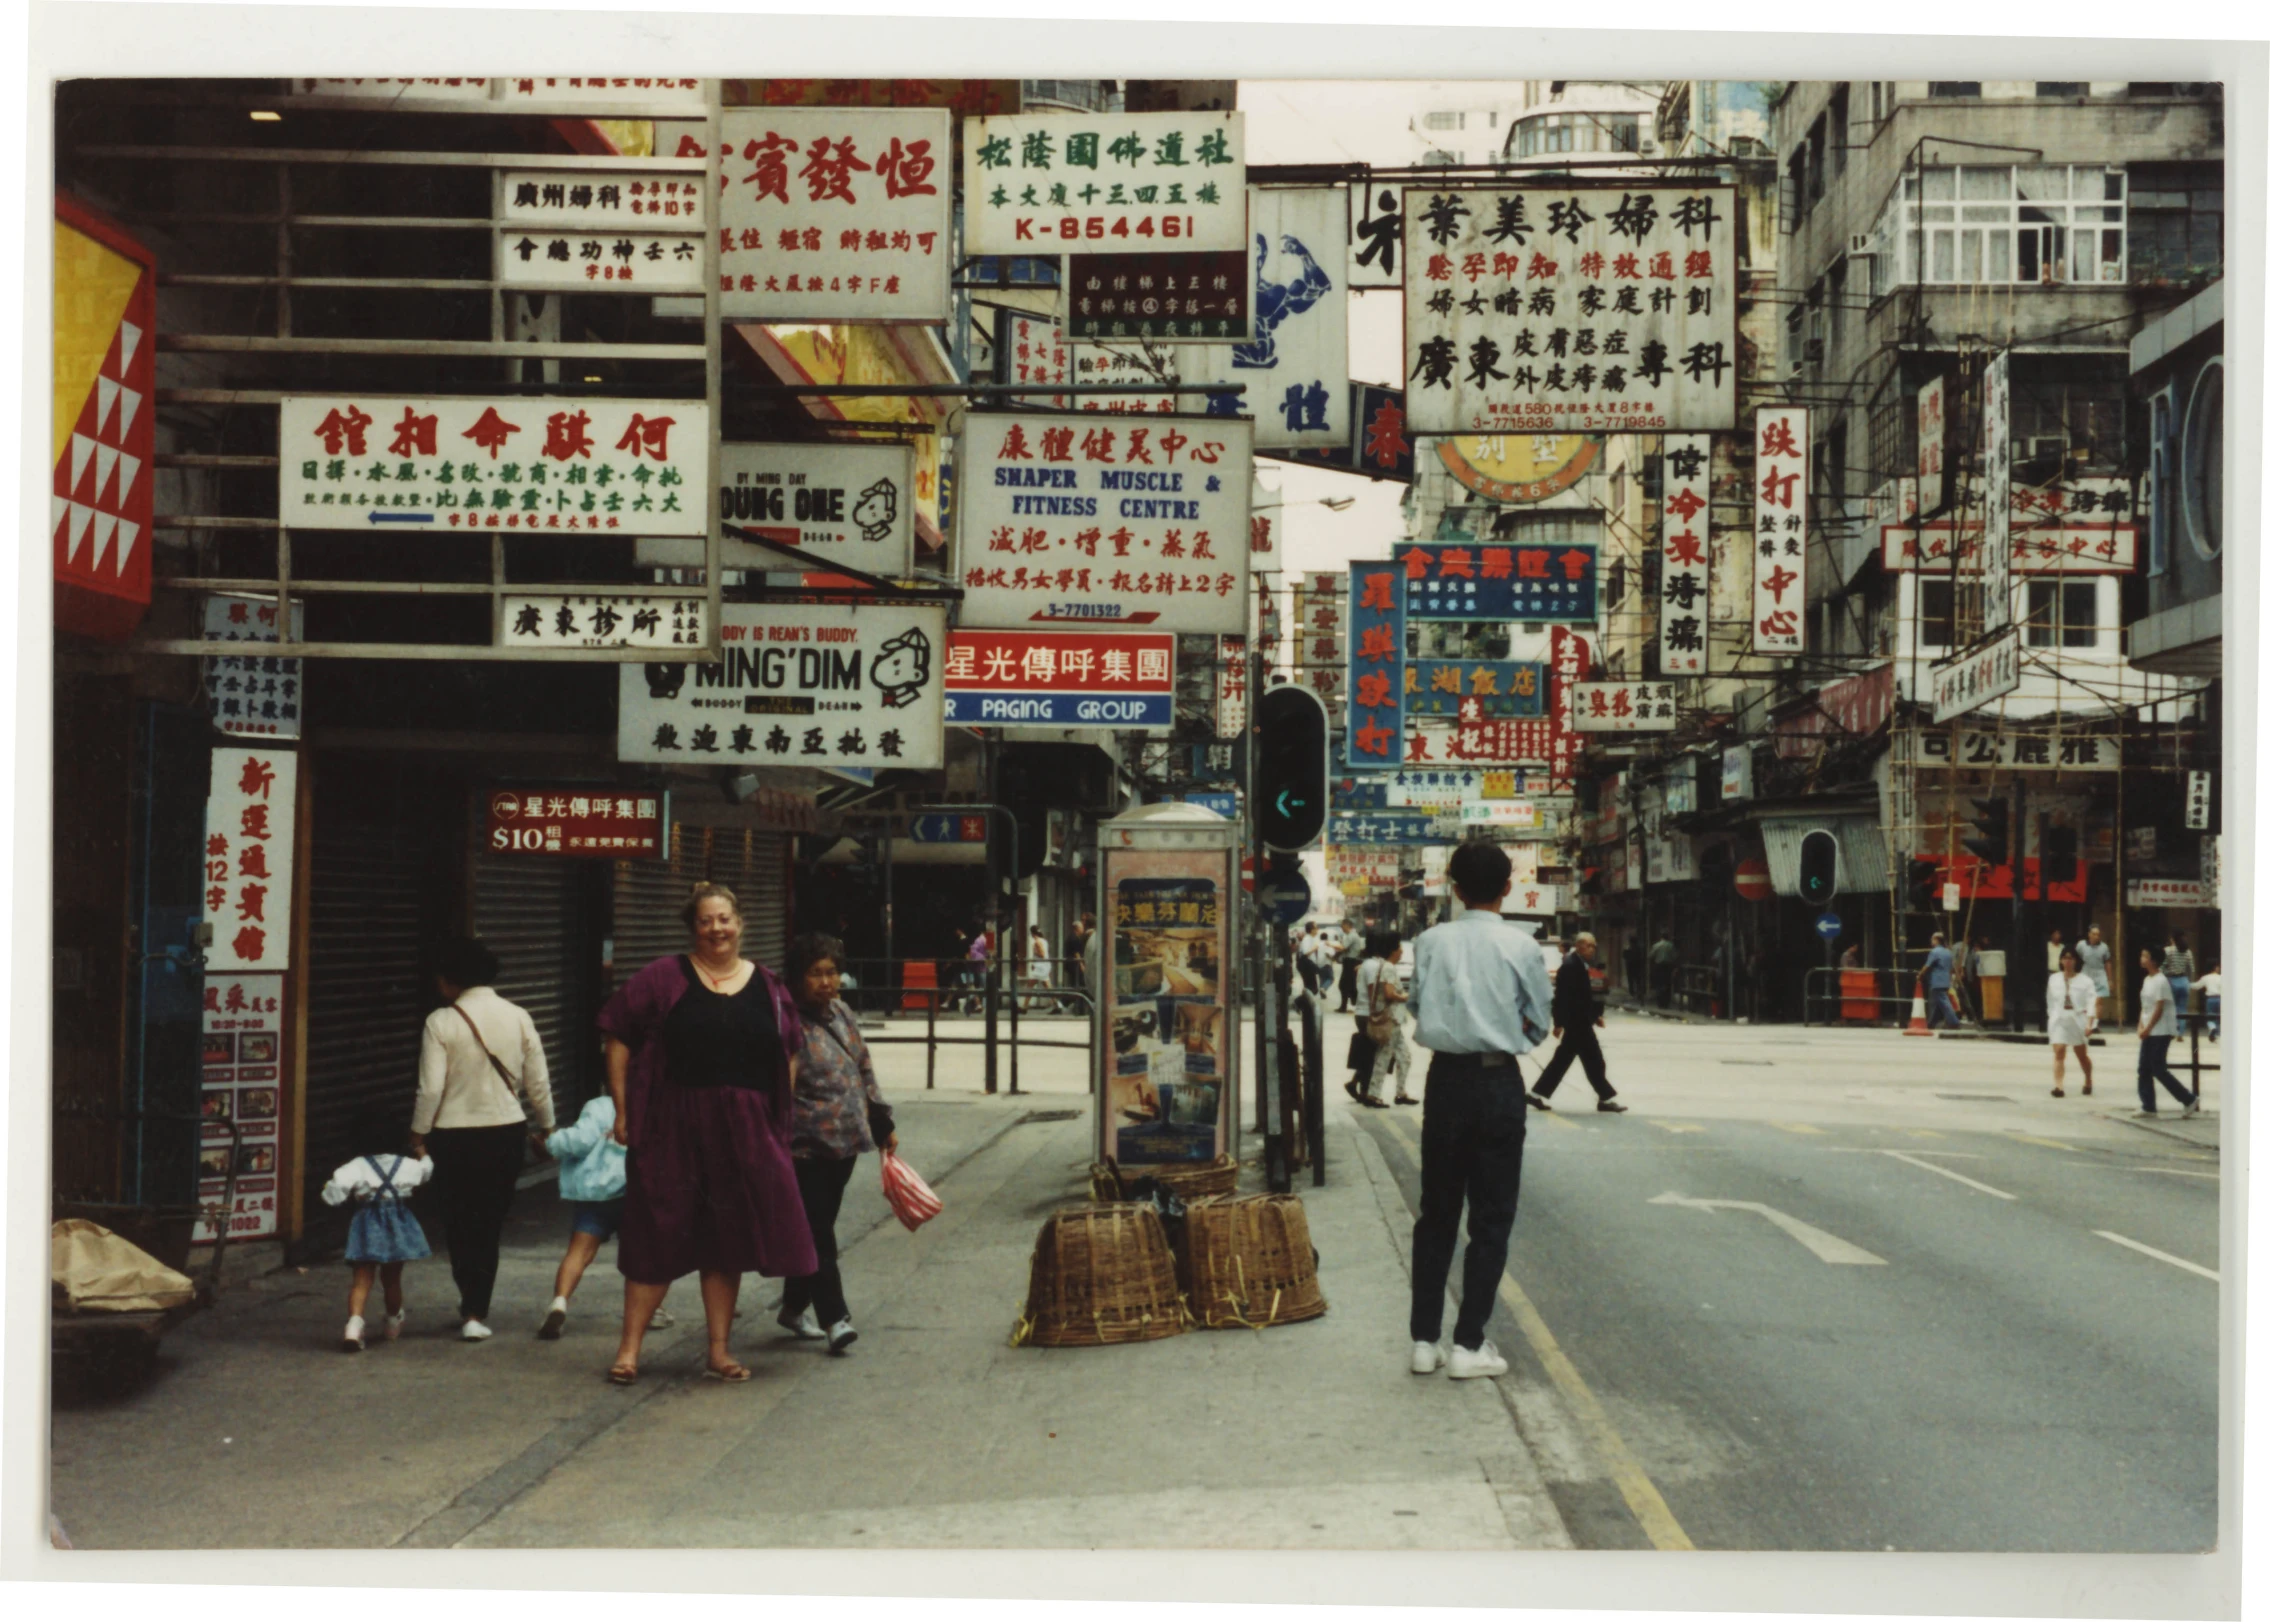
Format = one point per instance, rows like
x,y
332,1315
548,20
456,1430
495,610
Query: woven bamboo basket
x,y
1250,1263
1101,1274
1110,1181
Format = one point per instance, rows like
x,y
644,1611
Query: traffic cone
x,y
1918,1023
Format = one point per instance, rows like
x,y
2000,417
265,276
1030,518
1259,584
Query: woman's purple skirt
x,y
711,1189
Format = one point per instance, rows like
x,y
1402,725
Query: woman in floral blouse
x,y
840,1114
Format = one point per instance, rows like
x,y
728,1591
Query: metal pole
x,y
2016,955
2119,975
992,907
930,1063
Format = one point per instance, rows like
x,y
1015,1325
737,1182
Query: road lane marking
x,y
2172,1171
1967,1182
1640,1493
1672,1126
1798,1127
2045,1143
1557,1119
2158,1255
1827,1246
1921,1132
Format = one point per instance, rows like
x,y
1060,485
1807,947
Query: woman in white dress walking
x,y
2072,1003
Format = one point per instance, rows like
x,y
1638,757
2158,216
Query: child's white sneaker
x,y
394,1323
351,1338
475,1330
555,1319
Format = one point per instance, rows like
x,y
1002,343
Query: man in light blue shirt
x,y
1479,998
1938,976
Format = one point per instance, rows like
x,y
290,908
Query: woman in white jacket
x,y
2072,1002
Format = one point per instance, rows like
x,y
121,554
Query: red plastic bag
x,y
911,1199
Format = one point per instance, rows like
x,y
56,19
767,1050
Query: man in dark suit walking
x,y
1576,1018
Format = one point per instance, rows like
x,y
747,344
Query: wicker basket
x,y
1250,1263
1101,1274
1110,1180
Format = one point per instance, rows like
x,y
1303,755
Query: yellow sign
x,y
1518,467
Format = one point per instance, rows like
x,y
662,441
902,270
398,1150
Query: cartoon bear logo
x,y
877,510
664,681
902,669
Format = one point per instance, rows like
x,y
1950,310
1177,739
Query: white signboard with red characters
x,y
1777,604
381,462
1624,706
241,1044
1684,614
835,213
248,859
1105,525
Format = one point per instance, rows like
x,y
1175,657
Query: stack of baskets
x,y
1101,1274
1248,1262
1110,1181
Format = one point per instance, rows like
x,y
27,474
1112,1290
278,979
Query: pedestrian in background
x,y
1480,999
2096,963
2155,1022
2211,1001
1662,957
1351,964
1938,976
384,1235
1379,991
1577,1017
2056,949
2176,964
479,1059
592,1180
2072,1003
840,1115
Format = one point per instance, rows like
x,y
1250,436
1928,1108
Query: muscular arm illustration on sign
x,y
1275,302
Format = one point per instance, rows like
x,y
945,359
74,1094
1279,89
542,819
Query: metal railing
x,y
971,989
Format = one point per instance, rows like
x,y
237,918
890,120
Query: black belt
x,y
1476,1061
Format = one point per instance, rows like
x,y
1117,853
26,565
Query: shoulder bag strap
x,y
504,1075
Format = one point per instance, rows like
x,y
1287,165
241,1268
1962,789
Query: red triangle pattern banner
x,y
104,482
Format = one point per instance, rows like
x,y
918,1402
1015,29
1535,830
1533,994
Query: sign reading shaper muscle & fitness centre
x,y
1119,524
800,684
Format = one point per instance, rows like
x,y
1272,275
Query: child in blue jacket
x,y
592,1181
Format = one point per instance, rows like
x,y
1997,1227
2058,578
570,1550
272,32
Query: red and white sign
x,y
2170,893
1572,662
1060,678
2034,549
105,429
248,859
1931,442
1364,869
241,1043
1624,706
835,213
1683,616
1753,880
1493,742
418,467
1230,684
1034,355
1777,611
575,822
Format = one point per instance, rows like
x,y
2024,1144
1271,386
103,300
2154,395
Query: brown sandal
x,y
2057,1092
623,1374
731,1374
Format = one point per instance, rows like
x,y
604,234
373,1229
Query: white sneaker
x,y
840,1337
394,1323
663,1320
475,1330
2191,1109
351,1338
1426,1357
1483,1363
803,1325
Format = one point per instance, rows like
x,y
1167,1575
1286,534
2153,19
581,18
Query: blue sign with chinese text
x,y
1543,581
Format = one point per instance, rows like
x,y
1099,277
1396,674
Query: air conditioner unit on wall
x,y
1859,247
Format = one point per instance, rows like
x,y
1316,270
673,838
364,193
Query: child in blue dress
x,y
383,1235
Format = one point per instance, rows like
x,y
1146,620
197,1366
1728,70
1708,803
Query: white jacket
x,y
2078,995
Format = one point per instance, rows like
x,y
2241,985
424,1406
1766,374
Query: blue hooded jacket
x,y
592,1164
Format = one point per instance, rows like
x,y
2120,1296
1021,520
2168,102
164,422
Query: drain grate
x,y
1977,1098
1031,1116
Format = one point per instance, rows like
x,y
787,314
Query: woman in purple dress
x,y
701,1059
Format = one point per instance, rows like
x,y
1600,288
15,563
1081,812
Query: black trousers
x,y
1577,1042
475,1170
1348,983
1470,1143
821,1183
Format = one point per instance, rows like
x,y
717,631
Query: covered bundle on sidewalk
x,y
1250,1263
1101,1274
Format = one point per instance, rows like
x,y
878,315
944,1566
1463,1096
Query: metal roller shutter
x,y
649,897
754,866
531,911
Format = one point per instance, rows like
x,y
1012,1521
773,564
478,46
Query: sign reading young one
x,y
1119,183
1683,614
1777,602
626,467
1105,524
846,503
581,821
1554,310
800,684
834,214
248,859
1060,678
1624,706
1978,677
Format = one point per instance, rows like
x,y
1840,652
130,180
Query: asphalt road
x,y
1930,1345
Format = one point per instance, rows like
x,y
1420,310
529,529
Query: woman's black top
x,y
720,1040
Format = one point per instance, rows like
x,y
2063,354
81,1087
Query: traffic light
x,y
1290,767
2060,854
1817,867
1991,844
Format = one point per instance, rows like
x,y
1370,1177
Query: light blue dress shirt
x,y
1479,986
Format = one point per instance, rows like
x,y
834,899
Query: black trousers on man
x,y
1470,1142
1577,1042
476,1174
821,1183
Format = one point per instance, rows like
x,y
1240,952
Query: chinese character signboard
x,y
1380,828
594,230
1123,183
553,620
1473,689
1572,662
1295,366
1074,523
1231,680
2171,893
659,94
2198,801
1358,870
1173,297
1777,602
1375,230
1978,677
1624,706
248,859
105,424
624,467
1552,310
1931,444
1136,368
240,1041
575,822
1384,449
1983,750
1375,664
1167,1065
1060,678
843,503
252,696
602,200
1478,743
1543,582
2034,549
531,260
1031,352
800,684
1684,612
834,214
1994,468
1515,468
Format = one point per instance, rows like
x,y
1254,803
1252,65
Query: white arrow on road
x,y
1827,1246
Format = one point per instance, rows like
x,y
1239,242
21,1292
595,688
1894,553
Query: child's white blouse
x,y
357,1180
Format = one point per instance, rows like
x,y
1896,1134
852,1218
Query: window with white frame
x,y
2031,224
2061,613
1446,121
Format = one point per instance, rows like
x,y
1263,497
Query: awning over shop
x,y
1864,865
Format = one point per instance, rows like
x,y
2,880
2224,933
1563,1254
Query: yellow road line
x,y
1639,1492
1921,1132
1797,1127
2045,1143
1672,1126
1558,1119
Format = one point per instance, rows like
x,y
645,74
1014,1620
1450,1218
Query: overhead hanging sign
x,y
596,620
1994,749
1777,581
1375,230
240,1048
1683,613
1980,676
1474,689
1572,663
1105,524
1184,298
1295,366
1232,680
1624,706
249,695
1108,679
462,462
1478,743
576,821
675,95
1518,468
835,214
1931,443
1994,465
1375,664
849,504
532,260
1380,828
2035,549
1541,310
249,813
602,198
1540,582
1121,182
1138,368
1031,352
104,431
599,230
800,684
